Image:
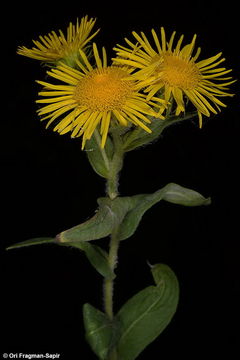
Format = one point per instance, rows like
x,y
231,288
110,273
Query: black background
x,y
49,186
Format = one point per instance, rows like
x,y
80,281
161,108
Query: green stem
x,y
112,191
115,166
108,283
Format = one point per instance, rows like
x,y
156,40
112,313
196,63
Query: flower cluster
x,y
144,81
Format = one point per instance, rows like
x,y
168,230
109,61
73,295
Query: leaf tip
x,y
150,265
10,248
208,201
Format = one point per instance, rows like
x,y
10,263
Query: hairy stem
x,y
108,284
115,166
112,191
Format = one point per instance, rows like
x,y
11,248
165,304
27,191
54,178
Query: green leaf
x,y
30,242
139,204
96,256
139,137
101,333
109,215
180,195
99,158
126,213
143,318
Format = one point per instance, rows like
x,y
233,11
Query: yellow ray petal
x,y
203,63
105,126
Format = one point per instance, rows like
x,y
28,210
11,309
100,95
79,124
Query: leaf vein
x,y
140,318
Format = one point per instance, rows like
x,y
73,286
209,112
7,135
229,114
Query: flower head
x,y
88,98
175,73
52,47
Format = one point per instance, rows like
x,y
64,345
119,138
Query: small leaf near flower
x,y
138,137
99,158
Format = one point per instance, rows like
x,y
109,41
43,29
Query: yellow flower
x,y
176,73
52,47
90,97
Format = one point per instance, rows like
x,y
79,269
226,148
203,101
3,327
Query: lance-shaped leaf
x,y
96,256
101,333
109,215
141,203
143,318
30,242
122,212
180,195
139,137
